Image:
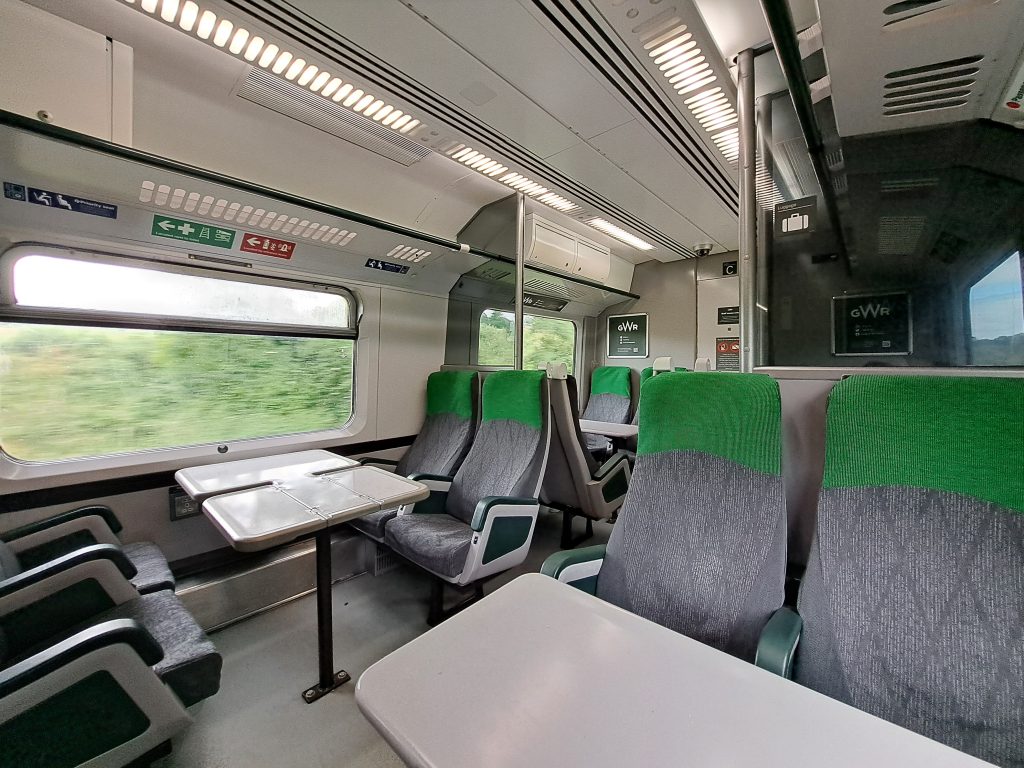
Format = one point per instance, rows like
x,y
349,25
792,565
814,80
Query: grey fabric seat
x,y
610,398
442,442
191,664
700,542
482,522
574,484
53,537
913,598
438,542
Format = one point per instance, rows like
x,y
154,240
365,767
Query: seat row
x,y
912,603
98,658
490,474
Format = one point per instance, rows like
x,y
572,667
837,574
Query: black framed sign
x,y
627,335
872,324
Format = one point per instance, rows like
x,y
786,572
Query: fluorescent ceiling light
x,y
620,234
686,69
206,25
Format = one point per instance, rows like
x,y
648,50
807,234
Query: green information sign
x,y
193,232
627,335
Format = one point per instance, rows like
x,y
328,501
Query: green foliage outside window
x,y
545,340
71,391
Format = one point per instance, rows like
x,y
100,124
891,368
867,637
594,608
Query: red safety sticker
x,y
267,246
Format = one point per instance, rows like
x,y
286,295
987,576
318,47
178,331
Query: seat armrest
x,y
64,517
777,647
610,464
433,504
577,567
126,631
90,554
370,461
491,506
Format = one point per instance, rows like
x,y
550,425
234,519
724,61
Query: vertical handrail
x,y
748,208
520,275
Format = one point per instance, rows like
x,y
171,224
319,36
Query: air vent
x,y
899,235
930,87
912,13
301,104
548,288
408,253
914,185
210,207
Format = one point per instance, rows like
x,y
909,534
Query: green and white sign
x,y
627,335
193,232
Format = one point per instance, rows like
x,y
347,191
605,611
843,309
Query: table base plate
x,y
318,691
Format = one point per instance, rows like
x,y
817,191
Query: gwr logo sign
x,y
629,326
870,310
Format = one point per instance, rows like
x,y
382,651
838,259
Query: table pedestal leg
x,y
329,679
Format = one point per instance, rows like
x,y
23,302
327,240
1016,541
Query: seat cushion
x,y
373,523
439,543
153,573
191,664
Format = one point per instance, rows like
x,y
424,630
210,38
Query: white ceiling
x,y
523,82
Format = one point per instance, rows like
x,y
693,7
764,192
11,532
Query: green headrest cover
x,y
610,380
958,434
451,392
645,374
736,416
514,396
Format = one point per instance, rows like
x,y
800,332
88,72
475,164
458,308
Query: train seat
x,y
36,543
913,598
574,484
700,542
481,521
443,440
610,399
90,668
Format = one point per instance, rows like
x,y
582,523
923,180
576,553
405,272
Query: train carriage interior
x,y
511,383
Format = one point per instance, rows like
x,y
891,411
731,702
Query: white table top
x,y
292,499
608,428
211,479
541,674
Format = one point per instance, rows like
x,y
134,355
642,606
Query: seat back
x,y
448,428
510,450
570,465
700,543
610,396
913,599
645,374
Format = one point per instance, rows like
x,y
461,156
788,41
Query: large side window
x,y
997,315
102,356
545,340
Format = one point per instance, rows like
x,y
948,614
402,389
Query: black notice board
x,y
627,335
872,324
728,315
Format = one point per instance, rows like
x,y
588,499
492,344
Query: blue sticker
x,y
71,203
387,266
14,191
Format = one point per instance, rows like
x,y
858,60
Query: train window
x,y
997,315
102,356
545,340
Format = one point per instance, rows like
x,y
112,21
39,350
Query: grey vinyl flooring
x,y
258,718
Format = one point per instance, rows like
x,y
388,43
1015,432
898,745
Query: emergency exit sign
x,y
192,232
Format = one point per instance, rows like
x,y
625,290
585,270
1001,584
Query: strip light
x,y
681,62
205,25
481,163
620,234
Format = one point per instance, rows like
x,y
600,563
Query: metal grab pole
x,y
520,276
748,209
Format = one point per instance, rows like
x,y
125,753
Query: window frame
x,y
29,474
475,335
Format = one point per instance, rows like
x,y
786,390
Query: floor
x,y
258,718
